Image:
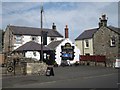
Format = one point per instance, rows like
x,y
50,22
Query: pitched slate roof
x,y
20,30
87,34
54,44
31,46
115,29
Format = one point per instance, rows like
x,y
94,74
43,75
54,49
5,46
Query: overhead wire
x,y
46,23
44,17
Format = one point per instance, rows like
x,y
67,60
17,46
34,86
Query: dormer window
x,y
112,41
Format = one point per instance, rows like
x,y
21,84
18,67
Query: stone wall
x,y
26,68
102,46
36,68
8,40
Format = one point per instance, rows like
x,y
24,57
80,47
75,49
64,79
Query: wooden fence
x,y
93,58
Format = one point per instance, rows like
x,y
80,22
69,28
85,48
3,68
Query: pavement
x,y
67,77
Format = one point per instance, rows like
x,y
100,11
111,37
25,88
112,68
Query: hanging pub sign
x,y
67,52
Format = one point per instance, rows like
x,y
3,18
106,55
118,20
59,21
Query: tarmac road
x,y
68,77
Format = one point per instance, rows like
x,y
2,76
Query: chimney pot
x,y
54,26
103,20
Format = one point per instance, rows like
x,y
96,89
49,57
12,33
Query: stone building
x,y
104,40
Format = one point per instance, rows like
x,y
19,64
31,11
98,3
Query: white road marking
x,y
49,82
104,75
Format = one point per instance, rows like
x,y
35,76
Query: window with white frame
x,y
18,39
112,41
87,43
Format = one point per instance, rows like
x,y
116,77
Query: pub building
x,y
56,48
65,50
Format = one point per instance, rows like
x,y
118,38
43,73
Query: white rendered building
x,y
65,50
16,36
27,40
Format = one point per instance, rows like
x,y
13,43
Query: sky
x,y
78,15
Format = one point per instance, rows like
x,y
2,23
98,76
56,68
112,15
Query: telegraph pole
x,y
41,17
41,34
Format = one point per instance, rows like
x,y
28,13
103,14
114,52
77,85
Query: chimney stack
x,y
54,26
66,32
103,20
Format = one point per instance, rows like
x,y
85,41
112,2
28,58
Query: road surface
x,y
68,77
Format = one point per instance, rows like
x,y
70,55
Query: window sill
x,y
86,47
112,46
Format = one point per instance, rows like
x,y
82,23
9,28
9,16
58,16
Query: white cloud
x,y
82,16
80,19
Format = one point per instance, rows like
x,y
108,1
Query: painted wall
x,y
27,38
49,39
81,45
58,50
30,54
10,40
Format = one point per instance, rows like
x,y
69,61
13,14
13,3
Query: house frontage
x,y
16,36
104,40
26,41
